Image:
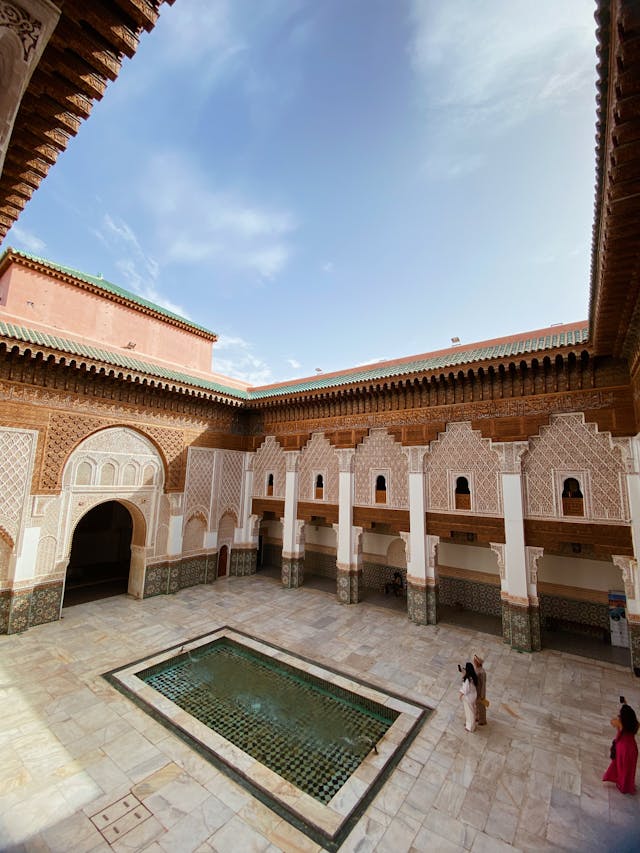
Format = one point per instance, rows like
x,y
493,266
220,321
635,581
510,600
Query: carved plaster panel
x,y
229,491
381,453
569,444
461,448
498,549
416,458
269,459
199,480
17,450
533,557
629,568
319,457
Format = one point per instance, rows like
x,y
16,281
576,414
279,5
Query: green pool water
x,y
306,730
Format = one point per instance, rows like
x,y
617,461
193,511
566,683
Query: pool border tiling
x,y
327,825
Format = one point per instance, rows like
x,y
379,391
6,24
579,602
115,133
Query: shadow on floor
x,y
586,647
83,593
467,619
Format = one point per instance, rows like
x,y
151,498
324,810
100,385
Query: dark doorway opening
x,y
100,555
222,561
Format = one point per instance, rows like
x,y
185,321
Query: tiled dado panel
x,y
272,555
376,575
243,561
319,563
567,613
163,578
471,595
29,607
634,638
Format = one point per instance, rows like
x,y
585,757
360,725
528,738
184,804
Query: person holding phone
x,y
624,750
468,694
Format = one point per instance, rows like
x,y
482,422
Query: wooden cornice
x,y
259,506
615,267
484,527
552,534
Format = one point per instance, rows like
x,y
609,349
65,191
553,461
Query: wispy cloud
x,y
233,356
484,73
196,222
26,240
139,270
328,267
295,364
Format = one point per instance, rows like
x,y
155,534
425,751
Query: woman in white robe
x,y
468,695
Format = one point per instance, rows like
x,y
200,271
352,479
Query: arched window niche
x,y
269,485
381,489
572,497
319,487
462,493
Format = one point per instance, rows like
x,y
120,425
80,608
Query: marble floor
x,y
83,769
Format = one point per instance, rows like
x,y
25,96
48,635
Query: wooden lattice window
x,y
572,497
463,493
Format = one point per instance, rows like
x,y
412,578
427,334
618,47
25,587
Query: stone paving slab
x,y
72,747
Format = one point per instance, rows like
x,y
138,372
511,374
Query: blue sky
x,y
331,183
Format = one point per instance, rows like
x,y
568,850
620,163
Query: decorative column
x,y
631,581
520,615
422,589
292,529
349,550
244,556
174,546
630,567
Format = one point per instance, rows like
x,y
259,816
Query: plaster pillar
x,y
520,614
631,581
349,548
630,567
292,528
422,592
244,556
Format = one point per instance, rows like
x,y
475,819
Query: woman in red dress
x,y
624,752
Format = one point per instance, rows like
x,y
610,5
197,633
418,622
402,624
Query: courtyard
x,y
75,749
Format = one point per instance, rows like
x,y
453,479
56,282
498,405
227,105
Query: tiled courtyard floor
x,y
71,745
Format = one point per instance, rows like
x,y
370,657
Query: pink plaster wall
x,y
37,301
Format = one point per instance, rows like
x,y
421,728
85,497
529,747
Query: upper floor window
x,y
319,492
463,493
572,497
270,485
381,489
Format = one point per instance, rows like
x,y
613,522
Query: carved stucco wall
x,y
198,484
226,529
17,449
136,478
461,451
319,457
66,431
570,447
269,459
229,491
380,453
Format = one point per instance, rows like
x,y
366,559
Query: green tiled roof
x,y
451,358
32,336
102,283
386,370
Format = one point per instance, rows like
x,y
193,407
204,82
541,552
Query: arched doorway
x,y
222,561
100,557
